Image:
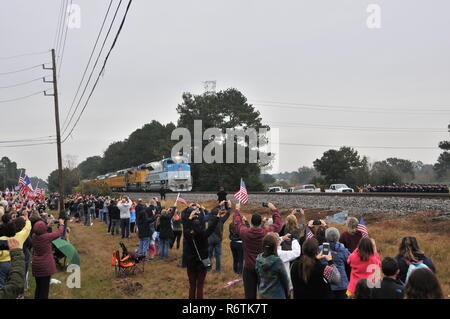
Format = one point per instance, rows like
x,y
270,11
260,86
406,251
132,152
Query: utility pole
x,y
58,134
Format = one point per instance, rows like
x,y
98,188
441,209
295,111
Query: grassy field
x,y
165,279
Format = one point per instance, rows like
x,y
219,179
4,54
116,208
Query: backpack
x,y
414,266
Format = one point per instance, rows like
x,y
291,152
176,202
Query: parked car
x,y
308,188
339,188
276,189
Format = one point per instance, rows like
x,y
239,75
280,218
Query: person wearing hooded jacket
x,y
43,264
272,275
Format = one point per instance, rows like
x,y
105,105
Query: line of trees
x,y
230,109
347,166
152,142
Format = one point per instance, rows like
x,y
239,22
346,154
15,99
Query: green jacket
x,y
16,276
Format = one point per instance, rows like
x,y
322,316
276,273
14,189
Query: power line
x,y
93,68
62,24
89,61
58,25
24,69
360,128
27,145
64,43
373,147
102,69
340,108
32,139
21,97
22,83
22,55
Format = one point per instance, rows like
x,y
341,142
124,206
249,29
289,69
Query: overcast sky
x,y
318,53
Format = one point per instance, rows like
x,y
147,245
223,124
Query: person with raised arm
x,y
252,244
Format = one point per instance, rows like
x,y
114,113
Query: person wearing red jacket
x,y
43,264
252,245
365,263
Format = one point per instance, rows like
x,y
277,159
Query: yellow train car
x,y
116,181
135,178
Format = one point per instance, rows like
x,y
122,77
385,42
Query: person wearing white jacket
x,y
289,255
124,206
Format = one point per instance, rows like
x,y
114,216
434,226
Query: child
x,y
365,263
390,287
273,279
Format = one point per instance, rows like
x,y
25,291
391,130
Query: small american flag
x,y
242,194
38,192
21,181
362,228
309,233
181,199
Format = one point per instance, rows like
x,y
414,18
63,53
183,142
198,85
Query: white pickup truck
x,y
308,188
276,189
339,188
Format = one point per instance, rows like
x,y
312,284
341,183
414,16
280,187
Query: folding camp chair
x,y
123,266
126,264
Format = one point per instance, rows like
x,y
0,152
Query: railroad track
x,y
443,196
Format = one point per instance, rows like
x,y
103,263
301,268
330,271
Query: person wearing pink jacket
x,y
365,263
43,264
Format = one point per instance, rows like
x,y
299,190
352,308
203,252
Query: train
x,y
171,174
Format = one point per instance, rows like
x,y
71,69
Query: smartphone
x,y
4,245
326,249
265,205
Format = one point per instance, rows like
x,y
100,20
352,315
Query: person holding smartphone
x,y
340,255
311,279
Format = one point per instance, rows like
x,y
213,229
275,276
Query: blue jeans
x,y
125,227
5,267
216,250
164,248
105,215
143,246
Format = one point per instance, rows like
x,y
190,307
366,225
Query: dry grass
x,y
164,279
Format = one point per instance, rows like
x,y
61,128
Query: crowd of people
x,y
406,188
26,235
275,257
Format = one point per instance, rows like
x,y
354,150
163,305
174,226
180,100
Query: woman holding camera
x,y
197,259
310,278
43,263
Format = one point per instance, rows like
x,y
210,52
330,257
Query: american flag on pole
x,y
21,181
242,194
181,199
309,233
362,228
